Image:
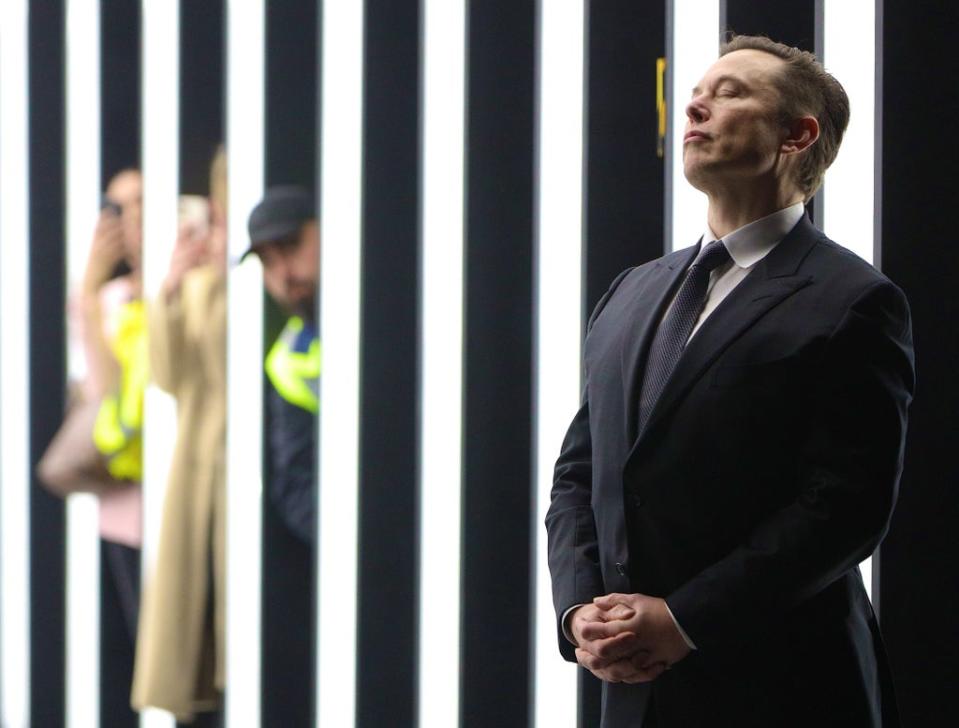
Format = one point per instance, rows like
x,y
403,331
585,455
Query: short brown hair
x,y
806,89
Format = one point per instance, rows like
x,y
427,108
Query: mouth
x,y
694,136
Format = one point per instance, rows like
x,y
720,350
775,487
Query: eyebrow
x,y
721,80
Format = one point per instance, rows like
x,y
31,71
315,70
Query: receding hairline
x,y
782,62
739,79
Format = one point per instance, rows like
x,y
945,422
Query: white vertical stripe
x,y
849,35
695,46
160,144
14,368
340,212
850,55
441,349
83,196
559,323
245,129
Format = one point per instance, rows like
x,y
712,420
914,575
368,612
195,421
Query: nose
x,y
696,110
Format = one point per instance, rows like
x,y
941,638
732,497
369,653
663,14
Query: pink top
x,y
121,511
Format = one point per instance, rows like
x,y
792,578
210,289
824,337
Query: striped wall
x,y
915,201
482,170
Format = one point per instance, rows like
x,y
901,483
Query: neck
x,y
731,208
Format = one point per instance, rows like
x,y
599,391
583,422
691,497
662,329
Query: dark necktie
x,y
673,333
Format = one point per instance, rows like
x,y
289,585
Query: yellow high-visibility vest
x,y
293,365
117,432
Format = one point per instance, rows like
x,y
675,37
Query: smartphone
x,y
193,211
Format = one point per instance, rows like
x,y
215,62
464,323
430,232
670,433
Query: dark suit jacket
x,y
768,470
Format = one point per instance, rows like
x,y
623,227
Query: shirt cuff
x,y
682,632
566,630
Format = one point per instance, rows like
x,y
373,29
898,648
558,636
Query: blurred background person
x,y
180,648
284,234
98,448
285,237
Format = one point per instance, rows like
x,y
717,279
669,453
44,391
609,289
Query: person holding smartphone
x,y
113,334
98,447
180,661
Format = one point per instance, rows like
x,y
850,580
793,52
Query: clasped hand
x,y
628,638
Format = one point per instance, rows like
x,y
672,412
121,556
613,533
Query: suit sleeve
x,y
851,460
573,550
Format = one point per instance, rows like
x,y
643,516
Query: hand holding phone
x,y
106,249
192,243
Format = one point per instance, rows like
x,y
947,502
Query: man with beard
x,y
284,234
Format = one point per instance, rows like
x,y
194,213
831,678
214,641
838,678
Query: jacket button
x,y
620,568
637,500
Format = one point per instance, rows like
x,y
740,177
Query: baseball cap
x,y
280,214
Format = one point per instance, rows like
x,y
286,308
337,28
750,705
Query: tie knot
x,y
712,256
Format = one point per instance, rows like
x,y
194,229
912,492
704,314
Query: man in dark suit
x,y
739,446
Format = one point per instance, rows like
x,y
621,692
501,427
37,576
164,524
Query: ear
x,y
801,134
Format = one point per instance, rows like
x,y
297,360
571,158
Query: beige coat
x,y
179,656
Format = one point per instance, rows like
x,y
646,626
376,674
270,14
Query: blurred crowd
x,y
175,338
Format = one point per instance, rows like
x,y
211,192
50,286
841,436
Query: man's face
x,y
291,271
126,190
733,133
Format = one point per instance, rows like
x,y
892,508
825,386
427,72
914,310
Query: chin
x,y
697,176
304,308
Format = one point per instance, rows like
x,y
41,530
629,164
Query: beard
x,y
305,308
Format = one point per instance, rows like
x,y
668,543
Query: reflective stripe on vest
x,y
293,365
117,430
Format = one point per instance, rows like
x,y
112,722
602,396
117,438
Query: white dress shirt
x,y
747,246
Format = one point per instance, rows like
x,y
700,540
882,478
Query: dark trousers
x,y
205,720
651,721
119,608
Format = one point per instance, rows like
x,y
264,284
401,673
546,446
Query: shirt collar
x,y
752,242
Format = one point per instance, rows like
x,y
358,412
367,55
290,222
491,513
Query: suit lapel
x,y
773,280
645,312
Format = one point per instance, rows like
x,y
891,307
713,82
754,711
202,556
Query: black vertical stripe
x,y
387,564
624,192
202,91
119,86
291,92
289,573
919,559
497,497
47,354
623,196
119,149
792,24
